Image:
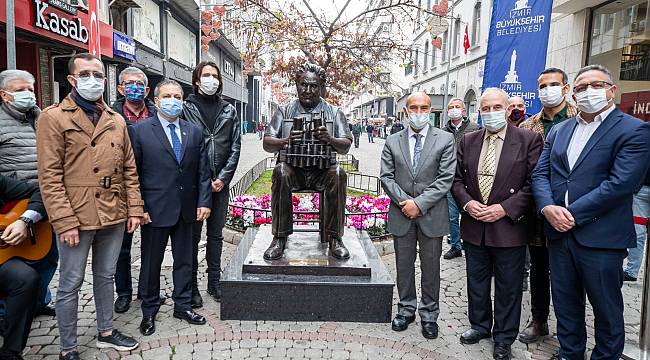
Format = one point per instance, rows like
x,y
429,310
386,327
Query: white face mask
x,y
209,85
494,121
551,96
592,100
455,113
418,121
90,88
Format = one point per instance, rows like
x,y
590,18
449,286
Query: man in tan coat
x,y
90,188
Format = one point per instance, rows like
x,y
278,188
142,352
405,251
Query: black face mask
x,y
517,116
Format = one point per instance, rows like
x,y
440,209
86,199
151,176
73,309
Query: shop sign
x,y
123,46
58,24
64,6
228,68
636,104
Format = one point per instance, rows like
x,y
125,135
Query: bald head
x,y
418,103
493,99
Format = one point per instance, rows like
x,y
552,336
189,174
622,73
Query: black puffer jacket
x,y
223,141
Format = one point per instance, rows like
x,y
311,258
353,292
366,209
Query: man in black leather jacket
x,y
222,135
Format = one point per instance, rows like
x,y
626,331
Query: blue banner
x,y
123,46
517,45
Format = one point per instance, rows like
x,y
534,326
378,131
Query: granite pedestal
x,y
306,284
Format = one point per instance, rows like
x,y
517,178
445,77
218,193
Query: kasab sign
x,y
59,24
517,47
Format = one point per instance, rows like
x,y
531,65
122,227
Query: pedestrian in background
x,y
584,184
356,133
218,120
458,125
641,211
134,108
91,192
370,129
417,170
260,129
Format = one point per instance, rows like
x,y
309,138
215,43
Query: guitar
x,y
31,249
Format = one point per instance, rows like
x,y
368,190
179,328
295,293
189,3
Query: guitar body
x,y
28,250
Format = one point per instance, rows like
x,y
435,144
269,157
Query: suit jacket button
x,y
512,191
180,187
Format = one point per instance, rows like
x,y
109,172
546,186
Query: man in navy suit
x,y
583,185
175,185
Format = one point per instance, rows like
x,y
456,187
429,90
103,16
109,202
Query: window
x,y
433,56
444,46
476,24
426,57
415,61
457,41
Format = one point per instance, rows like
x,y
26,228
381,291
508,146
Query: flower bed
x,y
361,213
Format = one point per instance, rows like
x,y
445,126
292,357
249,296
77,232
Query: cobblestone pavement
x,y
219,339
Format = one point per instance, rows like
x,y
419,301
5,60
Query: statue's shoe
x,y
276,249
337,249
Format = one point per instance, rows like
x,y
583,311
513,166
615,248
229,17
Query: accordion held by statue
x,y
309,152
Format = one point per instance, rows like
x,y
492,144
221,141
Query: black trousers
x,y
287,179
154,241
214,224
123,282
19,282
508,267
540,283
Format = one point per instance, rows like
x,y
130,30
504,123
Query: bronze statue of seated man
x,y
307,160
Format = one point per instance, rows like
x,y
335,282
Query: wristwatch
x,y
29,222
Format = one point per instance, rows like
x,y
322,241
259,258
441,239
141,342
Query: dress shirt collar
x,y
422,132
166,123
599,118
501,134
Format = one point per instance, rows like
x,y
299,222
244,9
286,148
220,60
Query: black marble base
x,y
305,255
310,296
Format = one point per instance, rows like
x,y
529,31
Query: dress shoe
x,y
401,322
9,355
215,292
72,355
148,325
472,336
533,331
47,310
502,352
197,300
276,249
628,277
337,249
122,304
190,316
453,253
429,329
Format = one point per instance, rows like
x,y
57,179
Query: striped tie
x,y
486,176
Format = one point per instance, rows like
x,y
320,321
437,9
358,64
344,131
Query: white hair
x,y
132,70
499,91
11,75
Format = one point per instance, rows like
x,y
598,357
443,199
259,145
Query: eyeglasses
x,y
133,82
594,85
86,74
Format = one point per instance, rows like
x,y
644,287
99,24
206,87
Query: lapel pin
x,y
512,191
184,133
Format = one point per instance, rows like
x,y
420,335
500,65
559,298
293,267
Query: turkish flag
x,y
94,43
466,40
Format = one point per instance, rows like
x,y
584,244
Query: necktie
x,y
176,142
416,151
486,176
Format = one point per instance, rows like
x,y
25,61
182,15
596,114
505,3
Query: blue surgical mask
x,y
171,107
23,100
494,121
418,121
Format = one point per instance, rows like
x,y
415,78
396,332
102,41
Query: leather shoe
x,y
628,277
453,253
502,351
47,310
215,292
337,249
401,322
276,249
197,300
190,316
429,329
148,325
122,304
533,331
472,336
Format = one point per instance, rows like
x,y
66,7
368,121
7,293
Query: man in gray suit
x,y
417,171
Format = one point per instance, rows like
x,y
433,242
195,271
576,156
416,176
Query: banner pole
x,y
446,94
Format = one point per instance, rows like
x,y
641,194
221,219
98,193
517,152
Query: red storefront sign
x,y
636,104
42,18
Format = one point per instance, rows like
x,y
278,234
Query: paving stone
x,y
157,354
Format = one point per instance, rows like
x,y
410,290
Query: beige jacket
x,y
87,174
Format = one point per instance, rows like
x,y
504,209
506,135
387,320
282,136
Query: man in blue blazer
x,y
175,184
583,185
